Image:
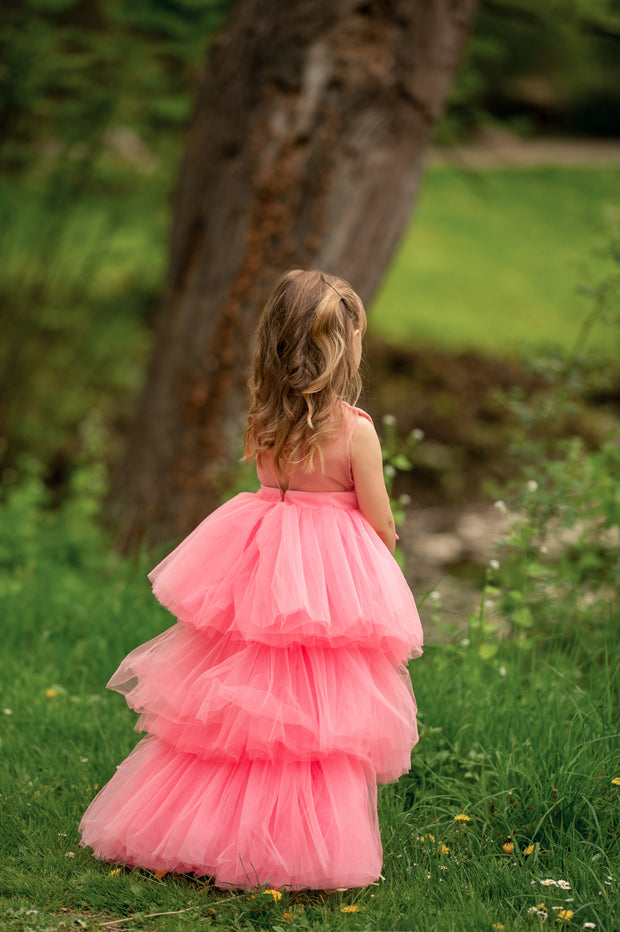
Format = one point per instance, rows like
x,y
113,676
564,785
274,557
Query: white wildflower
x,y
494,565
389,420
417,434
532,485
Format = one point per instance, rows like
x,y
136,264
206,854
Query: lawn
x,y
493,260
511,804
509,817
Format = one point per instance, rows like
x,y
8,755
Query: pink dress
x,y
276,702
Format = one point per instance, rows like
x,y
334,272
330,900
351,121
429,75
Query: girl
x,y
280,697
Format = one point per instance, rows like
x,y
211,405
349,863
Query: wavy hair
x,y
304,362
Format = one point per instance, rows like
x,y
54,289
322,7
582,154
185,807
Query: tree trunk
x,y
305,150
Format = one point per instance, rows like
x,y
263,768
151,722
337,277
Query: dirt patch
x,y
499,149
467,456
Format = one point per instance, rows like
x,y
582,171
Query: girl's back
x,y
334,474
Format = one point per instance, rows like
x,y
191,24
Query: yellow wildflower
x,y
616,781
51,693
443,849
461,817
115,871
428,837
499,926
287,916
274,893
352,908
158,874
529,849
508,847
565,915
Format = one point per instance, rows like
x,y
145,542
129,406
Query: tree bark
x,y
305,150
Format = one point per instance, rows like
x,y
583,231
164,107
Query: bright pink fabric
x,y
274,705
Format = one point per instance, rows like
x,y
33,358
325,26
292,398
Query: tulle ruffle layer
x,y
225,699
273,706
292,824
305,567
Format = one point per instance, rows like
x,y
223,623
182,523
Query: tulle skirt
x,y
273,706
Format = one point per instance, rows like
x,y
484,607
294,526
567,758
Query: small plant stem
x,y
173,912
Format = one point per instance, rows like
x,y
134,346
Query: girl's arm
x,y
372,496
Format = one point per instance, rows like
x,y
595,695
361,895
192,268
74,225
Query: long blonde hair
x,y
304,362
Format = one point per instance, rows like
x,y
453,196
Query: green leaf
x,y
488,651
400,461
523,617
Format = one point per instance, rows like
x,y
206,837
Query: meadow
x,y
509,817
494,260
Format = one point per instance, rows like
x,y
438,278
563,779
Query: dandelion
x,y
51,693
351,908
499,926
565,915
528,850
443,849
274,893
428,837
508,847
615,781
461,817
115,871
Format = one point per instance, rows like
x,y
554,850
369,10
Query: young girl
x,y
280,697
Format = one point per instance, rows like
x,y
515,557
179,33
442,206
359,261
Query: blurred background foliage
x,y
95,97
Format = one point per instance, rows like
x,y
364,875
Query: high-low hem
x,y
272,707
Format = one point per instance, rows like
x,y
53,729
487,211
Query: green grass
x,y
493,260
490,262
526,745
